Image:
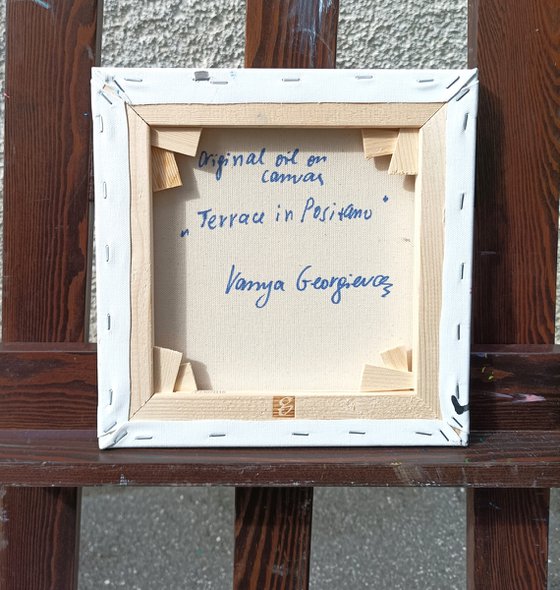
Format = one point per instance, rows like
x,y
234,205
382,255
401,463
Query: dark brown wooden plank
x,y
516,47
274,523
33,552
516,388
71,458
291,34
48,386
54,386
50,48
509,532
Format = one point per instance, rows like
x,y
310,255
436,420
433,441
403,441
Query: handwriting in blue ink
x,y
219,161
329,213
210,220
307,280
238,282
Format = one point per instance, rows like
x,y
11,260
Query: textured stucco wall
x,y
199,33
191,33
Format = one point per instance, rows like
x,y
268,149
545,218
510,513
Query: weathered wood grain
x,y
274,523
34,552
508,529
291,34
52,386
517,50
72,458
50,49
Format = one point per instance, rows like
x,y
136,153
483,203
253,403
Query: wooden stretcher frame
x,y
428,129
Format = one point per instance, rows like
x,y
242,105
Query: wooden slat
x,y
34,552
351,115
50,50
405,155
181,140
517,51
508,530
379,142
516,218
49,386
512,387
385,379
291,34
165,172
274,523
72,458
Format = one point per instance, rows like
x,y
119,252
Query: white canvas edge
x,y
112,197
225,86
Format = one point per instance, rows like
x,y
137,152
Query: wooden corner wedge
x,y
405,157
185,381
396,358
383,379
165,172
166,368
379,142
181,140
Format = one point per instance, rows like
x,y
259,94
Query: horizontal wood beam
x,y
53,386
71,458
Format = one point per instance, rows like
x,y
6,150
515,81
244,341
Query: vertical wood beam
x,y
517,49
272,538
273,526
291,34
50,48
39,538
507,534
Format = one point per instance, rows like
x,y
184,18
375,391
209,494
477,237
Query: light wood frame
x,y
418,136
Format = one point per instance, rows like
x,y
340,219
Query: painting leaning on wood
x,y
284,256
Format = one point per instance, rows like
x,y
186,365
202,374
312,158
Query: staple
x,y
201,76
457,422
462,94
99,123
290,79
105,97
110,427
143,437
364,77
458,331
425,80
216,435
457,391
108,321
443,434
104,188
356,432
454,81
110,397
300,433
120,437
462,270
119,86
106,252
219,82
424,433
133,80
462,201
465,121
